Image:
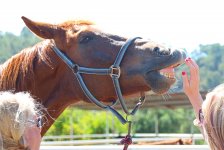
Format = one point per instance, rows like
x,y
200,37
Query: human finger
x,y
186,83
193,62
193,67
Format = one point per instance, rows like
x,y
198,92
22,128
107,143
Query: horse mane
x,y
71,23
19,69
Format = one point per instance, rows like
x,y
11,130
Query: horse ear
x,y
43,30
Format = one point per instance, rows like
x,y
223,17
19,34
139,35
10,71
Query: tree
x,y
211,66
11,44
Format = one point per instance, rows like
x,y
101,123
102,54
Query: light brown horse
x,y
46,76
176,141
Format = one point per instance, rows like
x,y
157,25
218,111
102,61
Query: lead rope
x,y
127,140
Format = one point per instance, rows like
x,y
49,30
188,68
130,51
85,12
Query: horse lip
x,y
157,82
176,58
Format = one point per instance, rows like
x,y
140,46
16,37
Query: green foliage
x,y
169,121
211,66
78,121
11,44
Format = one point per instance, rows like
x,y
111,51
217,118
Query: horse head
x,y
145,66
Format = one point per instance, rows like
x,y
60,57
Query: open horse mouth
x,y
162,77
168,73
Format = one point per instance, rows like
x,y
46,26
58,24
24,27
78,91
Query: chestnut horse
x,y
145,66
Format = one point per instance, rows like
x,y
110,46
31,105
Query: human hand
x,y
191,83
32,133
32,137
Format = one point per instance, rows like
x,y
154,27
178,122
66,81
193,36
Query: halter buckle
x,y
115,71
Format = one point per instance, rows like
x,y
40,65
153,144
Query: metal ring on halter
x,y
75,68
113,103
115,71
142,98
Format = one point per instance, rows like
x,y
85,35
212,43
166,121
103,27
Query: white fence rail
x,y
97,139
136,135
132,147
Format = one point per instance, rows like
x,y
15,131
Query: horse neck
x,y
39,71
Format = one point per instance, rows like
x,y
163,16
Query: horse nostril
x,y
156,49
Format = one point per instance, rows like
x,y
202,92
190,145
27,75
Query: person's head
x,y
18,121
213,111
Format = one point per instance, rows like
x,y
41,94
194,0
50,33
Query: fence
x,y
132,147
105,139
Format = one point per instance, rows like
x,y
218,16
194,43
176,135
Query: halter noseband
x,y
114,71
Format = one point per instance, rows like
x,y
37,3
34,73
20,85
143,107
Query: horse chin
x,y
158,82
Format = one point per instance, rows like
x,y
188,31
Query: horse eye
x,y
85,39
156,49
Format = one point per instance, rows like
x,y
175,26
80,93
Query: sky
x,y
178,23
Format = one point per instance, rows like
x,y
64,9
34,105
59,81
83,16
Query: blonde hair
x,y
213,110
15,111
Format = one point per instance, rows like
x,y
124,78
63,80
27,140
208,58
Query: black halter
x,y
114,71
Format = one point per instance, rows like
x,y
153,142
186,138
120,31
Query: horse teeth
x,y
167,75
